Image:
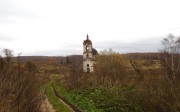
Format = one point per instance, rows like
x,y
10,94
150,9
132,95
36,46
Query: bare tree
x,y
8,54
171,56
106,52
19,90
171,62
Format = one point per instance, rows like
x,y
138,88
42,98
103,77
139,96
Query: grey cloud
x,y
7,9
147,45
5,39
59,52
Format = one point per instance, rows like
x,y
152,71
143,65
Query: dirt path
x,y
46,106
65,102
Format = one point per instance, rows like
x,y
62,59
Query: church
x,y
88,56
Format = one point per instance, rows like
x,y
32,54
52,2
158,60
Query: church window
x,y
87,48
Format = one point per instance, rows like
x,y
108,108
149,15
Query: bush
x,y
18,89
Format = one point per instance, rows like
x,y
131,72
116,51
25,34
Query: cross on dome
x,y
87,37
87,41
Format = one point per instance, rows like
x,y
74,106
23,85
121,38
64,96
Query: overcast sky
x,y
58,27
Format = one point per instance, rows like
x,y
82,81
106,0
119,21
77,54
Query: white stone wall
x,y
90,65
90,56
87,60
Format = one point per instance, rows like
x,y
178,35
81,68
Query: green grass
x,y
95,99
56,103
85,104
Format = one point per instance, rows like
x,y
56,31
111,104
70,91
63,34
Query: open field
x,y
117,85
141,92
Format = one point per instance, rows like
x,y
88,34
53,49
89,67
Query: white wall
x,y
85,55
87,60
90,65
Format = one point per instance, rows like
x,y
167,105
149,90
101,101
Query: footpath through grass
x,y
98,99
81,102
85,104
58,106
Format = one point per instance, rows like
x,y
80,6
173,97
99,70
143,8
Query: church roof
x,y
94,51
87,41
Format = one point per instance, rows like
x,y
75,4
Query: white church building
x,y
88,56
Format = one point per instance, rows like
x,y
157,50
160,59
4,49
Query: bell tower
x,y
87,56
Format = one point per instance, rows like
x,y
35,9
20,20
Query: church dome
x,y
87,41
94,51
